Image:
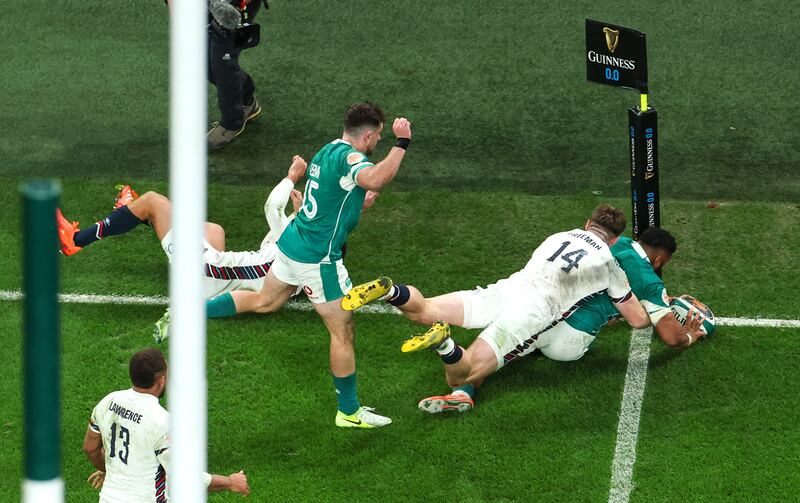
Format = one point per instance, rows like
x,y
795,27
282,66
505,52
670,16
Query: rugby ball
x,y
680,307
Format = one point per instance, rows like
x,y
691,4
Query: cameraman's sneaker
x,y
252,110
455,402
218,136
362,418
161,328
363,294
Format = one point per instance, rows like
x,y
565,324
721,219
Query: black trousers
x,y
235,87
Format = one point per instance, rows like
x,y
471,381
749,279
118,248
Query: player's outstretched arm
x,y
631,309
380,175
670,330
235,482
93,448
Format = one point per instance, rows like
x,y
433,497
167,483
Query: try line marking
x,y
629,413
302,305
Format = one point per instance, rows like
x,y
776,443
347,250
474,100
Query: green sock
x,y
468,389
221,306
346,393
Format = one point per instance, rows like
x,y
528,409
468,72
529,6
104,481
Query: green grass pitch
x,y
511,144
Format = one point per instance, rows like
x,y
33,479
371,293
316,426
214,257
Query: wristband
x,y
403,143
690,338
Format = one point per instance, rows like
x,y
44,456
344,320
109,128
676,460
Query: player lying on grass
x,y
569,339
568,268
128,440
224,271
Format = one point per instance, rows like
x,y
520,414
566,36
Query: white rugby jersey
x,y
569,267
135,431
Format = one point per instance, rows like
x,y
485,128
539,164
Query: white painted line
x,y
302,305
158,300
630,411
757,322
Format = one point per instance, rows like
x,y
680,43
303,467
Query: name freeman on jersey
x,y
125,413
587,238
625,64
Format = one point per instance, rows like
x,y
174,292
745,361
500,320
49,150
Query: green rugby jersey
x,y
331,205
645,284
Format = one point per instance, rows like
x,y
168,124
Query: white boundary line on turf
x,y
302,305
158,300
629,414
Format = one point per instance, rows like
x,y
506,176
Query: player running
x,y
567,269
128,441
310,249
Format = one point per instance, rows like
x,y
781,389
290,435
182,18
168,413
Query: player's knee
x,y
215,235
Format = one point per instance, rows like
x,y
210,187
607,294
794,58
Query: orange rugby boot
x,y
125,196
66,234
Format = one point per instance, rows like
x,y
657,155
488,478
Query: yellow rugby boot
x,y
435,335
363,294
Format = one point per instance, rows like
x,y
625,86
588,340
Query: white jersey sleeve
x,y
275,211
619,290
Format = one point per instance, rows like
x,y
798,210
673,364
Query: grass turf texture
x,y
509,144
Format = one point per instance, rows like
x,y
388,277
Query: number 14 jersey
x,y
569,267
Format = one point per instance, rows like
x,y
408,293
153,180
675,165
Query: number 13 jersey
x,y
135,431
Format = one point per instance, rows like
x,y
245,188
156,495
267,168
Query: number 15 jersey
x,y
331,205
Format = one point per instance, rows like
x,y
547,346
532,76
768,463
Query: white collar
x,y
638,248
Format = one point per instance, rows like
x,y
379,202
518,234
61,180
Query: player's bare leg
x,y
408,299
343,367
273,295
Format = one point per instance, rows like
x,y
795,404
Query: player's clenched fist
x,y
298,169
239,483
401,128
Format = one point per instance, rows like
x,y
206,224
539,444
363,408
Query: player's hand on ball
x,y
298,169
239,483
694,322
401,128
96,480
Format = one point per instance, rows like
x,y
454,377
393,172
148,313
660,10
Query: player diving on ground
x,y
527,311
223,271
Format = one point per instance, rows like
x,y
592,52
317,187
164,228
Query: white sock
x,y
446,347
392,292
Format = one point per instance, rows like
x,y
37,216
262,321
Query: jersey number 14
x,y
571,258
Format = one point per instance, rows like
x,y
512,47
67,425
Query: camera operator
x,y
230,31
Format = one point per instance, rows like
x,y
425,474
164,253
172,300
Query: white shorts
x,y
513,327
226,271
559,342
323,282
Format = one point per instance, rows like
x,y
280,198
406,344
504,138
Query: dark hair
x,y
145,367
359,115
609,218
659,239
